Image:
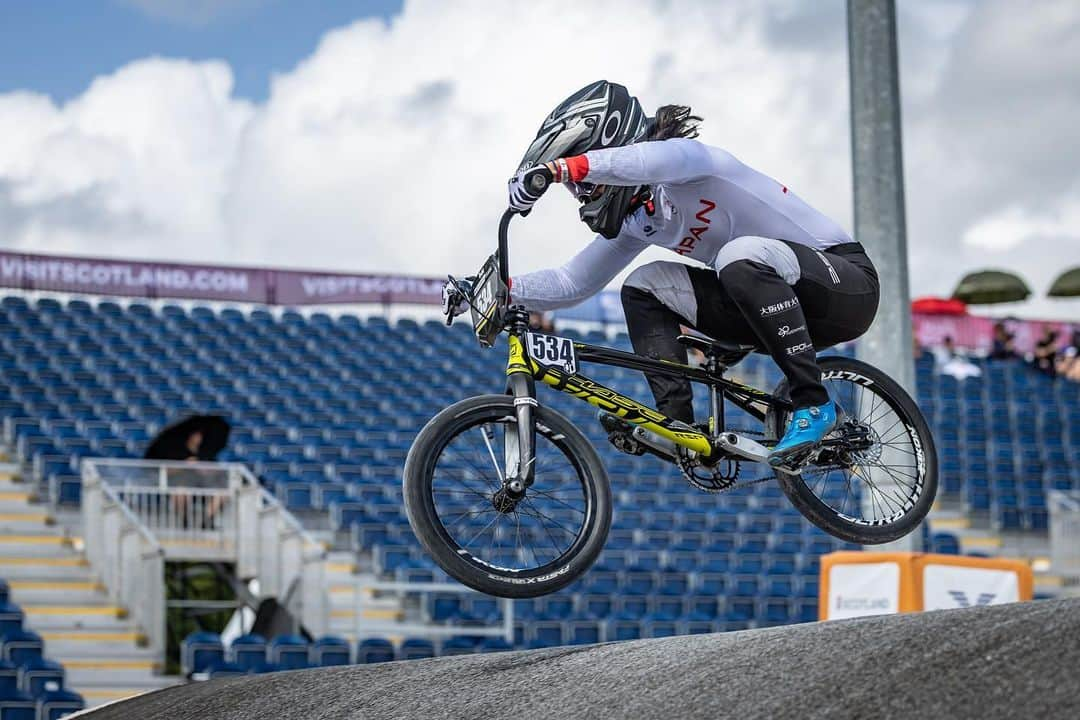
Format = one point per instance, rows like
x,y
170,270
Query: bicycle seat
x,y
727,353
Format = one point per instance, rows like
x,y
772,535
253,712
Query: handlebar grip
x,y
537,183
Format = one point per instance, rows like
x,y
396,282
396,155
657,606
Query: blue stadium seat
x,y
199,650
248,652
459,645
330,650
21,646
38,674
57,703
289,652
374,650
416,649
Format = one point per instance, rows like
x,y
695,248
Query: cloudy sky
x,y
378,136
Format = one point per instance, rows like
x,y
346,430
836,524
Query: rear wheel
x,y
875,476
511,545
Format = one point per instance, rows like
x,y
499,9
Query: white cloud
x,y
387,149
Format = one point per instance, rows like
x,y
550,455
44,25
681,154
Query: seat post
x,y
713,366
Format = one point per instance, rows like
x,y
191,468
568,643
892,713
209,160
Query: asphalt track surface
x,y
1005,661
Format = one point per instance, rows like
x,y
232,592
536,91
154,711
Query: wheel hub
x,y
505,500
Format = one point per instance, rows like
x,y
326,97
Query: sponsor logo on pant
x,y
800,348
777,308
786,330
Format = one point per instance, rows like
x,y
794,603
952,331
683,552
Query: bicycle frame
x,y
522,372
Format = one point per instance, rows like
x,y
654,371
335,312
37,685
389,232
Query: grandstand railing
x,y
1064,531
128,559
208,512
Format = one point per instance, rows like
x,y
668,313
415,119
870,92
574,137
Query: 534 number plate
x,y
553,351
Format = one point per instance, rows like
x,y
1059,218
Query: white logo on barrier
x,y
860,589
953,586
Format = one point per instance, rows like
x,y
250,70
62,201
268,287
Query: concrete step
x,y
67,566
97,617
66,591
111,672
34,543
24,519
83,646
17,500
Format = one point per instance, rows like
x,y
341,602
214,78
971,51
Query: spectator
x,y
949,361
1004,346
541,322
1068,364
1046,352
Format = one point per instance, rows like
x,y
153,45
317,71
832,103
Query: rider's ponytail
x,y
673,121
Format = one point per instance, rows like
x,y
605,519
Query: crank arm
x,y
742,446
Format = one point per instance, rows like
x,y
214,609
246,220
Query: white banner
x,y
860,589
951,586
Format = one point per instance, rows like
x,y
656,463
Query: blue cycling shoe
x,y
807,428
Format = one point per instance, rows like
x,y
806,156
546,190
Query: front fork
x,y
520,443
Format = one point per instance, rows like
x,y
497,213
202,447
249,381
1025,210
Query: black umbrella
x,y
1067,284
172,442
991,286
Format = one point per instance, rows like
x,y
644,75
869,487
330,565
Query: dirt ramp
x,y
1006,661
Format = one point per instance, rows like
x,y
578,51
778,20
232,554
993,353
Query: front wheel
x,y
874,477
510,545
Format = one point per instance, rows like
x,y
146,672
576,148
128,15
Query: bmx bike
x,y
510,498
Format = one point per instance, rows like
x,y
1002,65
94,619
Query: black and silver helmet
x,y
600,115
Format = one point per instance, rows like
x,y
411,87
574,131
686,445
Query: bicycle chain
x,y
685,468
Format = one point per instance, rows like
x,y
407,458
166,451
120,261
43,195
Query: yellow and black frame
x,y
489,300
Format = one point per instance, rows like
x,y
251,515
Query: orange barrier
x,y
854,584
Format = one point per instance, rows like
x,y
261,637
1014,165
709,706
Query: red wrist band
x,y
578,167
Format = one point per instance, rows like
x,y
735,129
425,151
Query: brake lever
x,y
464,296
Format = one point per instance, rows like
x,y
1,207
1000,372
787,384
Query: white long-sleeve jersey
x,y
703,198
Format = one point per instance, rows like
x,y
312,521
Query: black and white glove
x,y
527,186
453,298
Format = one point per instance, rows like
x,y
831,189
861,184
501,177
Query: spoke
x,y
541,492
548,533
462,483
480,473
467,515
549,518
481,532
491,452
517,533
494,534
889,472
882,493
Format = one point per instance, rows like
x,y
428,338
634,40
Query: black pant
x,y
834,300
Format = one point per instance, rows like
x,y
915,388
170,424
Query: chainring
x,y
717,480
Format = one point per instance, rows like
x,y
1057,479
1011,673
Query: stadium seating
x,y
1004,438
324,410
31,686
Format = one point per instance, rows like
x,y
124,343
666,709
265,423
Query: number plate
x,y
553,351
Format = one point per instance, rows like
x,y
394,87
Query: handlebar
x,y
504,257
538,184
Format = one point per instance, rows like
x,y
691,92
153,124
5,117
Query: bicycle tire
x,y
420,507
821,514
